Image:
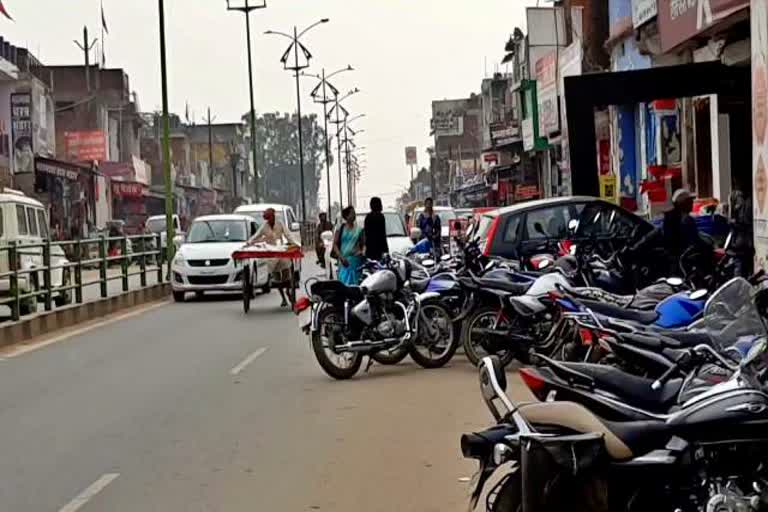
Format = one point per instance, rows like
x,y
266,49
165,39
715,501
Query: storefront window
x,y
21,220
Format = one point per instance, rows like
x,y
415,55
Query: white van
x,y
23,221
284,213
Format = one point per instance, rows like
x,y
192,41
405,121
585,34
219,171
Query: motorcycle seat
x,y
623,440
632,315
650,340
636,391
333,290
503,285
689,338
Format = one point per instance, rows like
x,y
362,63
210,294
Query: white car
x,y
398,240
156,224
204,261
23,221
284,213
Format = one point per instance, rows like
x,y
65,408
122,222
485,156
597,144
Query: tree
x,y
278,159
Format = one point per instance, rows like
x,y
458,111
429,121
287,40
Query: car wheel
x,y
178,296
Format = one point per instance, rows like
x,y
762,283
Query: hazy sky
x,y
406,52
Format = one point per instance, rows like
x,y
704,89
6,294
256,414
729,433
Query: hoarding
x,y
570,65
88,146
21,133
546,82
680,20
411,156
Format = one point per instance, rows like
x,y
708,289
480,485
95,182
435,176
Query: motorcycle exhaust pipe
x,y
365,346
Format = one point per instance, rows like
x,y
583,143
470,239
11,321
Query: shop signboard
x,y
759,22
448,118
57,169
524,192
546,80
570,65
90,146
127,189
680,20
411,156
643,11
504,133
21,133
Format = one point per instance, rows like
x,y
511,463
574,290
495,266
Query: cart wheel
x,y
247,289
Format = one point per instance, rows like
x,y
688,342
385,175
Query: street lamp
x,y
246,9
323,86
339,109
294,47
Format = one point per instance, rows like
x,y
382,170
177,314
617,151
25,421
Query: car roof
x,y
224,216
260,207
154,217
538,203
14,196
437,208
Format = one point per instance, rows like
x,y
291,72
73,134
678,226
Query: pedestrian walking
x,y
375,230
322,226
348,244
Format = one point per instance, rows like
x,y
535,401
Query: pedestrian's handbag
x,y
336,243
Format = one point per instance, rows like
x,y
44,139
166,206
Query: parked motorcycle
x,y
382,318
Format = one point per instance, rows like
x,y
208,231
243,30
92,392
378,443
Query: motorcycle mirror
x,y
728,241
428,263
698,294
674,282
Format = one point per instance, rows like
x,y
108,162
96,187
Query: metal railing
x,y
20,287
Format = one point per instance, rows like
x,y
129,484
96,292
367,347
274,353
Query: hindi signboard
x,y
87,146
21,133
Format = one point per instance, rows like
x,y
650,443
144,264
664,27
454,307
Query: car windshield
x,y
211,231
156,225
394,224
258,216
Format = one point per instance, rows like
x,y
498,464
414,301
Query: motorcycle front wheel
x,y
329,326
437,338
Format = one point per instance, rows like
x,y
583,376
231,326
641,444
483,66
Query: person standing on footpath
x,y
375,229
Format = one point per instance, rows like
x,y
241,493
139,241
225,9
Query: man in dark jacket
x,y
375,228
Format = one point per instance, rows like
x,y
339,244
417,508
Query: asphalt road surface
x,y
198,407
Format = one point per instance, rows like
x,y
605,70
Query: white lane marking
x,y
248,360
23,348
89,493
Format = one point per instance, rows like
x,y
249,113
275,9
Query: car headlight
x,y
178,259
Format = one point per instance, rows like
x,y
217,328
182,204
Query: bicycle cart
x,y
246,257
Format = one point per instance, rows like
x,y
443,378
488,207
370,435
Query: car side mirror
x,y
295,226
415,233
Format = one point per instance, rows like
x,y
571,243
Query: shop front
x,y
70,193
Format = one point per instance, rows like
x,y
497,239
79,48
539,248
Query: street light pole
x,y
169,246
295,45
327,149
246,9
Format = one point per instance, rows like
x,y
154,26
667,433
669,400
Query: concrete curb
x,y
61,318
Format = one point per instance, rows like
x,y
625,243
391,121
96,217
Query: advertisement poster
x,y
570,65
759,21
546,83
85,146
411,156
608,188
21,133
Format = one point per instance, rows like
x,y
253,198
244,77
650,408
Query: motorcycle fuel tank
x,y
383,281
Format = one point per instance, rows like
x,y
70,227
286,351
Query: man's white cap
x,y
681,194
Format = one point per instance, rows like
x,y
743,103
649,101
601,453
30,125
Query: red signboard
x,y
85,146
127,189
526,191
680,20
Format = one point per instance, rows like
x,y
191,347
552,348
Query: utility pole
x,y
169,246
210,146
246,9
338,147
86,48
297,68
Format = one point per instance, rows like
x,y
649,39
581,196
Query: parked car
x,y
23,220
397,237
524,230
284,213
157,224
204,261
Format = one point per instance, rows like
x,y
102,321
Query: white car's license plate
x,y
305,319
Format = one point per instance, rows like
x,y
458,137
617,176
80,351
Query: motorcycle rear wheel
x,y
482,318
326,357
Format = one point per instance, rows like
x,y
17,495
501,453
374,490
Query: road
x,y
198,407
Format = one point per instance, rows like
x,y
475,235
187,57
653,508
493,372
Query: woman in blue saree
x,y
349,243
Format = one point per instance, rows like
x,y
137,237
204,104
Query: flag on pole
x,y
103,19
3,11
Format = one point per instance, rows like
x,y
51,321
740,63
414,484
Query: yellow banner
x,y
608,188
